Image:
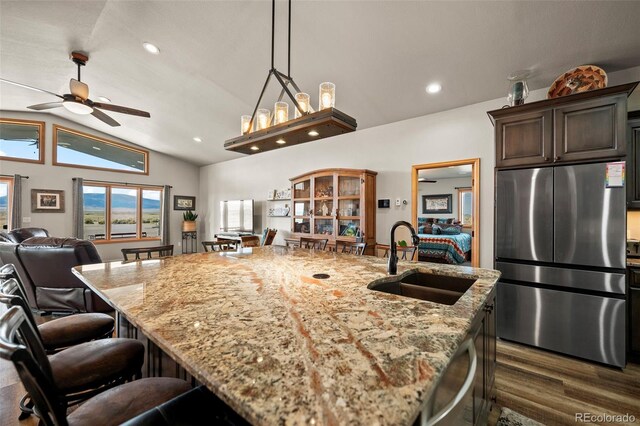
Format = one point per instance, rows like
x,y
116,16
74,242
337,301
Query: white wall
x,y
164,170
442,186
390,150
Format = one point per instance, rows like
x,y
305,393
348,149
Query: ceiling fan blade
x,y
104,117
121,109
30,87
79,89
48,105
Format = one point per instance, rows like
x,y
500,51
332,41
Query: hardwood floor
x,y
546,387
552,388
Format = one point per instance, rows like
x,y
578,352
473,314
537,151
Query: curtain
x,y
166,215
16,207
78,208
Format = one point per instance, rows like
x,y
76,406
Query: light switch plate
x,y
397,201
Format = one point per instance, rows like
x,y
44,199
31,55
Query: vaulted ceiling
x,y
215,56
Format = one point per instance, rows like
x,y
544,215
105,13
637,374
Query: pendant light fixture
x,y
264,130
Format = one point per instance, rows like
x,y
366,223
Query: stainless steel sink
x,y
435,288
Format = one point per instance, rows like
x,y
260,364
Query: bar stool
x,y
357,249
313,243
83,370
152,401
62,332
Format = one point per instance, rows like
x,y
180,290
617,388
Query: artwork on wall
x,y
47,201
183,202
441,203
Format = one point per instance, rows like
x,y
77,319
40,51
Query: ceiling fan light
x,y
77,107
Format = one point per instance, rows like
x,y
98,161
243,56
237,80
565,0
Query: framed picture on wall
x,y
183,202
441,203
47,201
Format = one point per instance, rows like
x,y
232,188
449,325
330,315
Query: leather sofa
x,y
44,264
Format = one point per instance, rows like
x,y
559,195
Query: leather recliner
x,y
9,255
48,262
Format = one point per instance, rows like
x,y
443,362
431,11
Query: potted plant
x,y
189,224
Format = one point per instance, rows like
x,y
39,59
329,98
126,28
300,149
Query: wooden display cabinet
x,y
337,204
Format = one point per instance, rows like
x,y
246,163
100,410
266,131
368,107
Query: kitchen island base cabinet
x,y
468,403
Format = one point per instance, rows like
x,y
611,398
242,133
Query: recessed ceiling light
x,y
103,99
197,139
96,148
434,88
313,133
254,148
151,48
281,141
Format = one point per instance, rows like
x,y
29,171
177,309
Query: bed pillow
x,y
436,230
451,230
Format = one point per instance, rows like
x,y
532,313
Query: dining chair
x,y
404,252
250,241
163,251
313,243
220,245
357,249
269,237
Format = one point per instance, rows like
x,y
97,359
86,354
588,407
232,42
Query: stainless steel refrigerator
x,y
560,244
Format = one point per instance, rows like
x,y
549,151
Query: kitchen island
x,y
282,347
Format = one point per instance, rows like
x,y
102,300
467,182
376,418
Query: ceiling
x,y
215,56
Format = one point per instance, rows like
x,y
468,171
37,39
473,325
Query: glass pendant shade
x,y
263,118
245,123
327,96
303,100
280,113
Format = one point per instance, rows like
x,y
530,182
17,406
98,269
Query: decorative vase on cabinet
x,y
338,204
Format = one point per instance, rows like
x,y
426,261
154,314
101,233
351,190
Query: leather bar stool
x,y
139,400
38,376
62,332
86,369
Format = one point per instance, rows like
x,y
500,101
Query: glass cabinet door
x,y
323,206
349,207
302,207
349,186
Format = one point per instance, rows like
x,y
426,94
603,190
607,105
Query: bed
x,y
453,249
443,247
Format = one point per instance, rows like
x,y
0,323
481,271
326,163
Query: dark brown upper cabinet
x,y
583,127
525,139
633,161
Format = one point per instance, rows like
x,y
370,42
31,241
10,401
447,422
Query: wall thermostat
x,y
384,204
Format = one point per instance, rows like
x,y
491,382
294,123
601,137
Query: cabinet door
x,y
634,323
633,163
490,344
301,211
323,206
524,139
479,396
591,130
350,205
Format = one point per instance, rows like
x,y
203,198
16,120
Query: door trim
x,y
475,189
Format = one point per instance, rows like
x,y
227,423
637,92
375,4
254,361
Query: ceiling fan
x,y
78,100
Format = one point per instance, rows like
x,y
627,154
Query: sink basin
x,y
435,288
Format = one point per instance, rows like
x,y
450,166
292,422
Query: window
x,y
76,149
22,140
113,212
6,198
465,206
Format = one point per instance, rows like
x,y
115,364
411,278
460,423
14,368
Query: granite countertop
x,y
281,347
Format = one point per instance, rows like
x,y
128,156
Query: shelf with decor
x,y
338,204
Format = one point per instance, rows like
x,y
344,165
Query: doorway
x,y
445,211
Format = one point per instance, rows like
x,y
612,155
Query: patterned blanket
x,y
450,248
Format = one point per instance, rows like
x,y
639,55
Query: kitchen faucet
x,y
393,254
